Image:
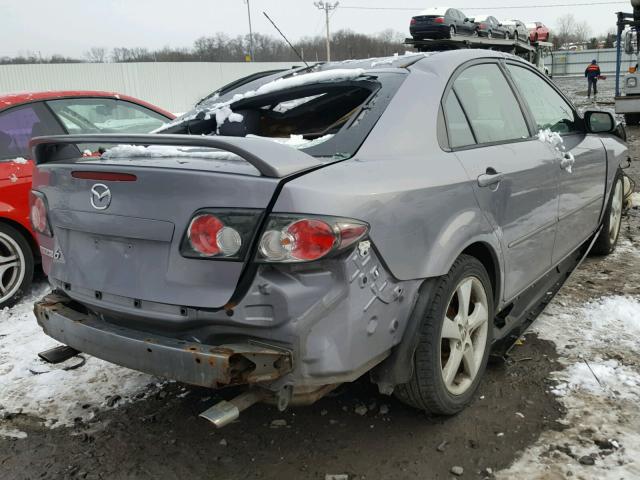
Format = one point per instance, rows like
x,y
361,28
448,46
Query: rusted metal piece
x,y
249,362
306,395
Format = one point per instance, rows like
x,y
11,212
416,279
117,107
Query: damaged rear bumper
x,y
189,362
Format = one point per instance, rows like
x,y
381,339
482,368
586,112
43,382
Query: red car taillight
x,y
224,234
302,239
38,213
413,21
483,26
439,20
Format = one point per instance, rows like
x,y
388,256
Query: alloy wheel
x,y
464,335
615,212
12,267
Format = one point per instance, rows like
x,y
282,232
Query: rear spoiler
x,y
270,158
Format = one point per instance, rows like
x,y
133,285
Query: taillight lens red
x,y
38,213
293,239
311,239
439,20
483,26
203,233
220,233
413,21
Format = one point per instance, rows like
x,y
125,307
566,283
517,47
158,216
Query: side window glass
x,y
549,109
19,124
458,128
490,105
104,115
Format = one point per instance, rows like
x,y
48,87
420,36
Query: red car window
x,y
19,124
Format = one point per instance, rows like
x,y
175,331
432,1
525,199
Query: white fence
x,y
562,63
172,86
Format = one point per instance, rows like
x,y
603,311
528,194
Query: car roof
x,y
8,100
434,11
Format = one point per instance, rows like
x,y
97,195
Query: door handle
x,y
491,177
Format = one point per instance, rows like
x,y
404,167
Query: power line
x,y
587,4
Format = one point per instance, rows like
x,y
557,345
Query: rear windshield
x,y
326,114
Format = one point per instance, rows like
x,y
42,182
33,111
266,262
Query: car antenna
x,y
285,39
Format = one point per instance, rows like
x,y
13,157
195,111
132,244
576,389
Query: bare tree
x,y
565,29
96,55
581,31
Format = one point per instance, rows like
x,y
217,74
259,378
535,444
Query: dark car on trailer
x,y
490,27
441,22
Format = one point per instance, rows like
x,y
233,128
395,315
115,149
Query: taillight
x,y
220,233
483,26
439,20
38,213
290,238
413,21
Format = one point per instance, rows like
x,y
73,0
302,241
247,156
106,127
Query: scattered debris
x,y
384,409
279,422
442,446
223,442
587,460
361,410
457,470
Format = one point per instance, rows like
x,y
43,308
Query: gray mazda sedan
x,y
404,217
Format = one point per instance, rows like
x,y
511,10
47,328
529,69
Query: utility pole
x,y
327,7
250,31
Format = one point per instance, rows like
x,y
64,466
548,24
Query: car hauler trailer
x,y
627,101
534,52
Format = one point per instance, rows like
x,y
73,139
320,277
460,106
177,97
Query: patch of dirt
x,y
162,437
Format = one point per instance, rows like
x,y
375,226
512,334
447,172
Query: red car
x,y
27,115
538,32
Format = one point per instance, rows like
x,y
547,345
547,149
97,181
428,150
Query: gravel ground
x,y
158,434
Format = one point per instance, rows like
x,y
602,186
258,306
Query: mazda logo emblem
x,y
100,196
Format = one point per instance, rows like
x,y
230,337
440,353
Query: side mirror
x,y
599,122
629,39
499,24
467,19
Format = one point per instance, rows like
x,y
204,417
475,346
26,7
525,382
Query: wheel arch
x,y
486,255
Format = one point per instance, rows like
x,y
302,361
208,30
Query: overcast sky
x,y
71,27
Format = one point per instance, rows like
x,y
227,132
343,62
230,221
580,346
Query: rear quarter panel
x,y
15,185
417,199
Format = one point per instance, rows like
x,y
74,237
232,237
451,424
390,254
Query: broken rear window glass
x,y
327,113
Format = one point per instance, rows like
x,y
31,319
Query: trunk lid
x,y
131,248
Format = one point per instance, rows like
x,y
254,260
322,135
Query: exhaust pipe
x,y
223,413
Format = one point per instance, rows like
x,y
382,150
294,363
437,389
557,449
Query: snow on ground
x,y
57,396
599,343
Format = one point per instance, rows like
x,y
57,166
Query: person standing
x,y
592,73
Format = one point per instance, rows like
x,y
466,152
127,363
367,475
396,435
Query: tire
x,y
452,31
608,237
515,36
489,34
16,265
631,118
428,389
475,34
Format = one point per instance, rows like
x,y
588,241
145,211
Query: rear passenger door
x,y
514,175
583,166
